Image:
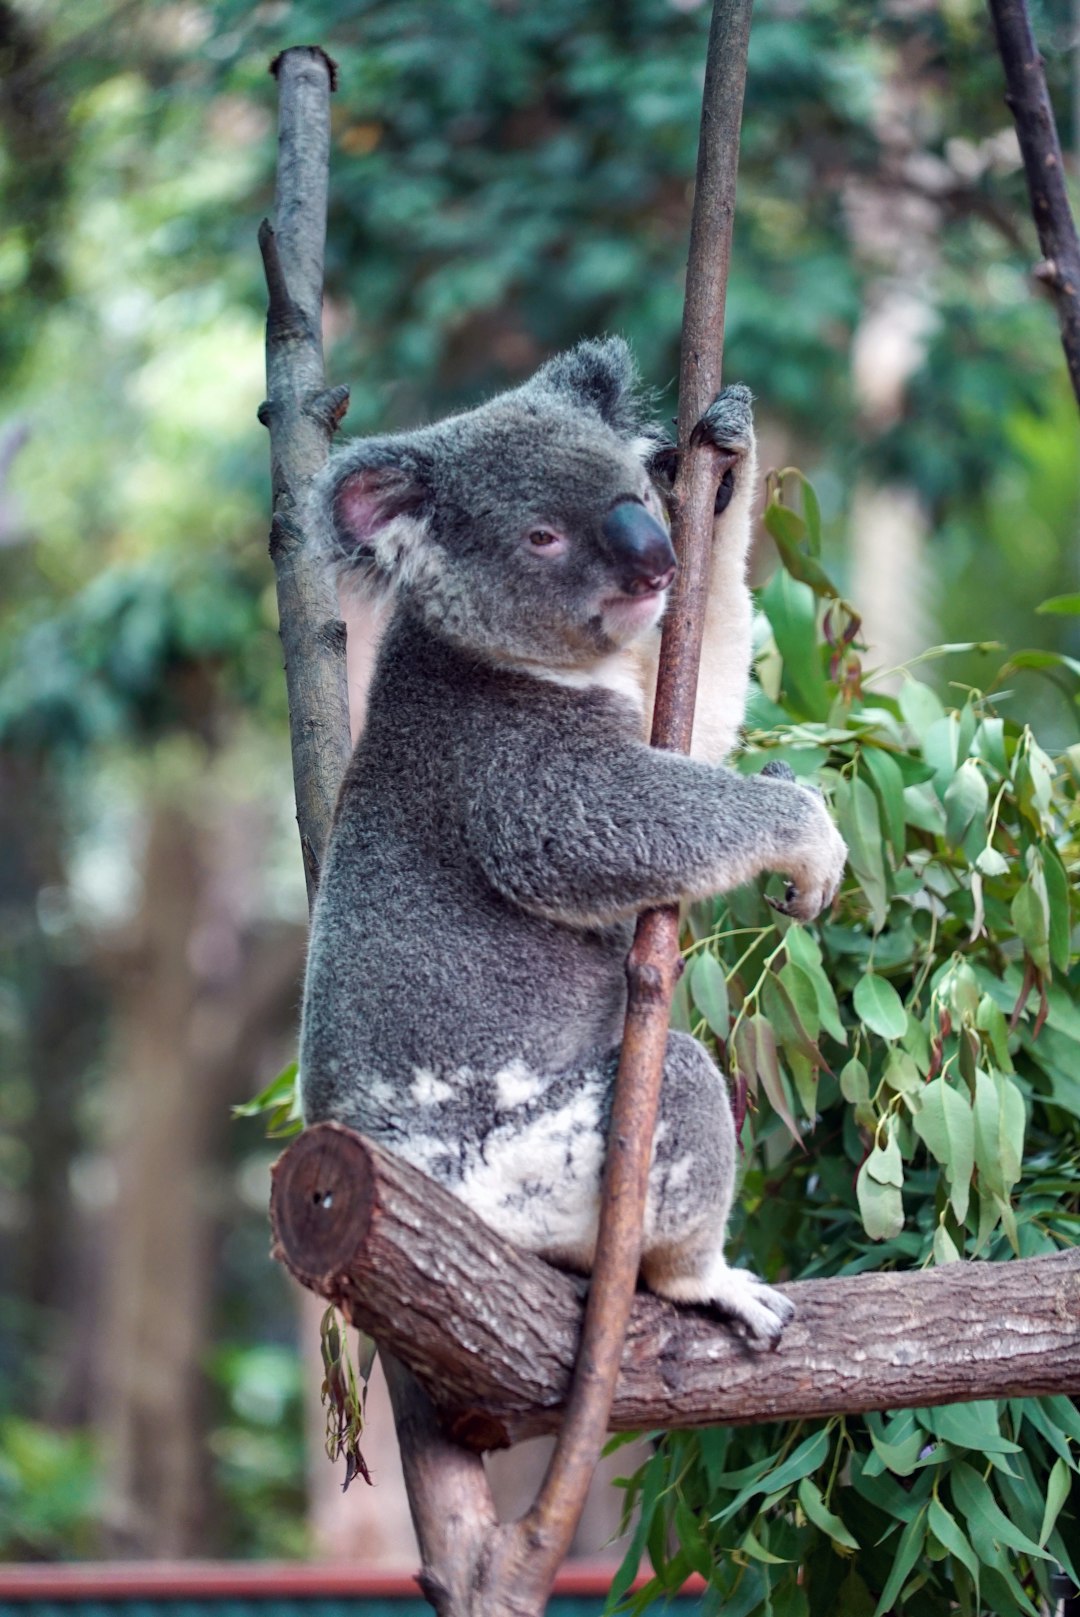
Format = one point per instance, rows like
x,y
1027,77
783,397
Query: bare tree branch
x,y
492,1333
448,1491
527,1559
1029,102
302,416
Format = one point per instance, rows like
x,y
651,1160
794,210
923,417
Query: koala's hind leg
x,y
691,1184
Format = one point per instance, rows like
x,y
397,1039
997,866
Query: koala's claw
x,y
756,1312
776,769
728,423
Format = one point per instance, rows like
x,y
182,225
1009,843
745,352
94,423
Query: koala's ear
x,y
372,510
599,375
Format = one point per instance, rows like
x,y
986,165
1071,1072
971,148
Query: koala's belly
x,y
432,1019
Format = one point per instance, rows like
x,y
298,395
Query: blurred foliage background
x,y
505,179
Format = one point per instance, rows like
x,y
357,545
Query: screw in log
x,y
1028,100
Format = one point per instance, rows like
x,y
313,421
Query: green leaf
x,y
1057,1492
966,801
888,783
1061,603
854,1083
803,952
818,1512
975,1425
1000,1123
946,1125
654,1480
985,1519
860,826
879,1006
908,1551
992,863
809,1455
792,612
708,988
947,1531
881,1206
1057,893
757,1058
884,1162
920,706
281,1099
1031,919
945,1249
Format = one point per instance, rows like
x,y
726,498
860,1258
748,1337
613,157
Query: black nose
x,y
639,547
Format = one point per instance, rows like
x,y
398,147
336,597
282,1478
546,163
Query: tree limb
x,y
448,1491
1029,102
301,416
492,1332
529,1556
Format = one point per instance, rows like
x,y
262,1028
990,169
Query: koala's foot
x,y
756,1312
728,424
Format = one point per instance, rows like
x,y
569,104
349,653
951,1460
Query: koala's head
x,y
527,529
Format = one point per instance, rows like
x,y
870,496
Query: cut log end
x,y
321,1202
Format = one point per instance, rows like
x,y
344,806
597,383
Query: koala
x,y
503,821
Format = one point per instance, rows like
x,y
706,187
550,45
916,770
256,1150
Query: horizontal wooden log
x,y
491,1332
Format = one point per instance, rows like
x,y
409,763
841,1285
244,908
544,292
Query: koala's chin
x,y
628,618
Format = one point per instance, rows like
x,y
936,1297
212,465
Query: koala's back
x,y
428,991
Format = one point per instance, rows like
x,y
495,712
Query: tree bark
x,y
492,1333
1029,102
302,416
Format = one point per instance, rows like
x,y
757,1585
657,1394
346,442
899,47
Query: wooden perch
x,y
492,1333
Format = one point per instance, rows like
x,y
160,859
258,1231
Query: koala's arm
x,y
726,649
591,834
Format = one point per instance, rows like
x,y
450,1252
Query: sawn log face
x,y
492,1332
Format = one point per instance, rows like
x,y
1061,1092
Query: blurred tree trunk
x,y
195,991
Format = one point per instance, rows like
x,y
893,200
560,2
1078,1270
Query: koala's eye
x,y
544,539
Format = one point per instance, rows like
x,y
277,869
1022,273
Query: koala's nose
x,y
640,548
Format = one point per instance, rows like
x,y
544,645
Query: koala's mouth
x,y
624,616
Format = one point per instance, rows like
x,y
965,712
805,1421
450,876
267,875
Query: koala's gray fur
x,y
502,821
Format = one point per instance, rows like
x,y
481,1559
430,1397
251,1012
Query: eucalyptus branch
x,y
1029,102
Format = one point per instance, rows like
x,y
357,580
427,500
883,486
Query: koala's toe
x,y
728,423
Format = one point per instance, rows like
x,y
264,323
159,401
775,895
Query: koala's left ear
x,y
599,374
371,508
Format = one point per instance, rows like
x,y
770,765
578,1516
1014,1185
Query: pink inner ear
x,y
360,506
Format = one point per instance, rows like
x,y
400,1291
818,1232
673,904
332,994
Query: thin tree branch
x,y
528,1557
1029,102
301,416
492,1333
448,1491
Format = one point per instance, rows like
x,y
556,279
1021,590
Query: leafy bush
x,y
906,1075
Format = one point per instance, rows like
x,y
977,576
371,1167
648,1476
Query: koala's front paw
x,y
815,864
728,424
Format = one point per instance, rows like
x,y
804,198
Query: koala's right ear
x,y
372,511
599,374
